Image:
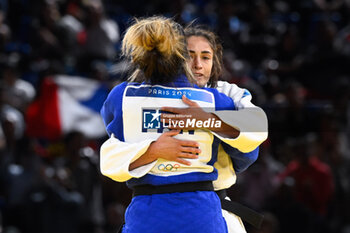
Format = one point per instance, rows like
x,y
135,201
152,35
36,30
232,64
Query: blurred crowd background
x,y
293,56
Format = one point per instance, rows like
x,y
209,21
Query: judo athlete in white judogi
x,y
228,162
131,114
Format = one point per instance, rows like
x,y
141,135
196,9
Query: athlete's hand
x,y
169,148
194,111
176,115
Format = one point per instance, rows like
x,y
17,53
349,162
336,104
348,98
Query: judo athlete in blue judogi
x,y
206,63
196,211
126,113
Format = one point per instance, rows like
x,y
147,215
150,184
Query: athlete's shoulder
x,y
118,88
232,89
114,96
222,101
226,85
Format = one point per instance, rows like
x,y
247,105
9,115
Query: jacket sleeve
x,y
116,156
249,119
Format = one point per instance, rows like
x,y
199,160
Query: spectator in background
x,y
291,215
72,23
19,176
289,57
47,41
98,40
5,31
314,184
341,41
80,163
53,194
259,183
17,92
12,123
259,37
73,18
322,53
332,148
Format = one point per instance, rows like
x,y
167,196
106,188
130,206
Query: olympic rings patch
x,y
168,167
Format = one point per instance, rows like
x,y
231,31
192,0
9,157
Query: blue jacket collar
x,y
180,81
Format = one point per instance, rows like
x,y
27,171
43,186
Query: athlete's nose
x,y
197,63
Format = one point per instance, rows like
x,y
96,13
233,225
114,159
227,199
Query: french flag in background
x,y
67,103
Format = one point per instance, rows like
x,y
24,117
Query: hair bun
x,y
155,45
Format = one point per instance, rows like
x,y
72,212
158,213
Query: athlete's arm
x,y
246,116
249,119
247,123
195,112
116,156
169,148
